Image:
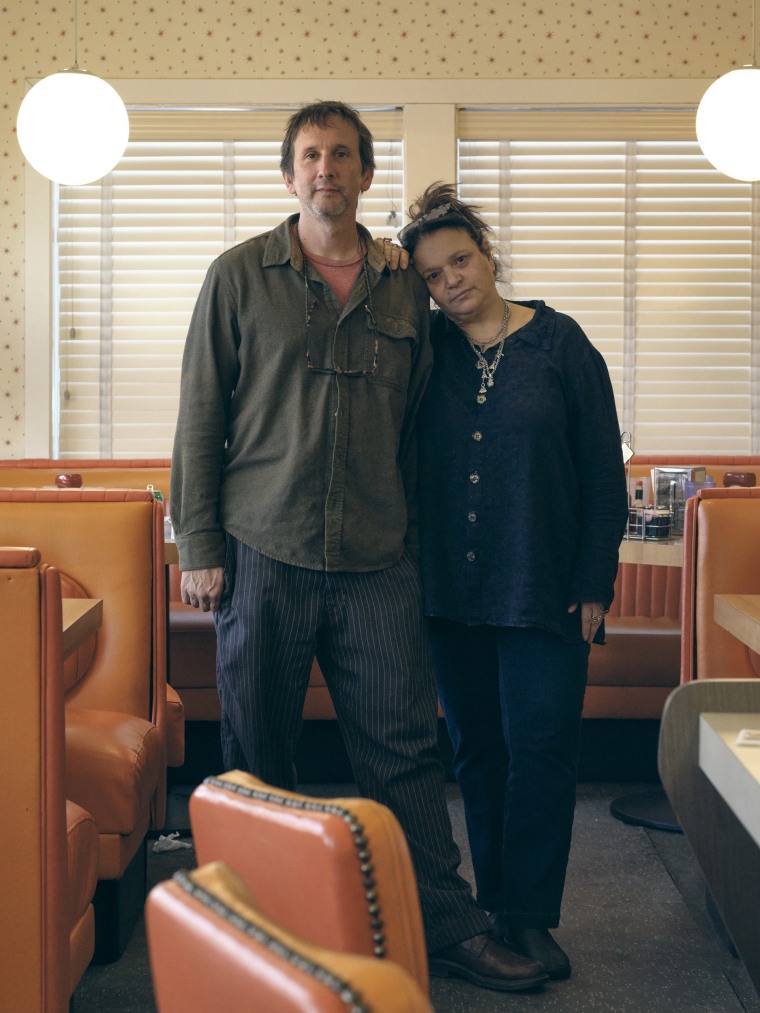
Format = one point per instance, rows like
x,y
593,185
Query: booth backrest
x,y
132,473
211,948
721,556
334,871
111,542
651,591
107,542
631,677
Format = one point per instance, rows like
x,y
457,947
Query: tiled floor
x,y
634,923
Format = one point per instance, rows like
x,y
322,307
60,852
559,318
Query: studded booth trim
x,y
363,853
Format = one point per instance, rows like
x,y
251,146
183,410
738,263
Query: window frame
x,y
664,272
134,249
430,109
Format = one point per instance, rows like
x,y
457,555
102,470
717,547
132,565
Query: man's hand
x,y
395,256
203,588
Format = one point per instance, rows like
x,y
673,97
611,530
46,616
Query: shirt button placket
x,y
472,516
473,503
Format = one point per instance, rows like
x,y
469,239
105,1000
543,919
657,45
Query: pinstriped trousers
x,y
368,634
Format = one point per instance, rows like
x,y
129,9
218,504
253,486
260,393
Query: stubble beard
x,y
332,208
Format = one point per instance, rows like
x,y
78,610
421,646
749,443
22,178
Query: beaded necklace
x,y
487,370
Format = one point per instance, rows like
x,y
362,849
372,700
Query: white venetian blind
x,y
628,229
132,250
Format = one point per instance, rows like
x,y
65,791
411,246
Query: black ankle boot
x,y
538,944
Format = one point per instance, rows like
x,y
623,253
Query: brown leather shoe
x,y
487,962
540,945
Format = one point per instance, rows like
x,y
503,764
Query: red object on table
x,y
69,481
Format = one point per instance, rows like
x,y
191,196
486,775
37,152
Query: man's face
x,y
327,173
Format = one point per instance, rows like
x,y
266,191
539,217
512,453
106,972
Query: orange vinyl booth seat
x,y
212,947
99,474
630,677
721,556
640,665
108,544
336,871
633,673
49,847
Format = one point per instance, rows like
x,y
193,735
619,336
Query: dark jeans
x,y
513,701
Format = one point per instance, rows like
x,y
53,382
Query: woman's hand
x,y
592,615
395,256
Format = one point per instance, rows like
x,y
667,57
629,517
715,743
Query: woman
x,y
522,508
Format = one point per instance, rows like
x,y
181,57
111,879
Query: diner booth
x,y
104,554
140,874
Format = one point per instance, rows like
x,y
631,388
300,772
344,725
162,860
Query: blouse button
x,y
472,516
474,478
471,556
477,436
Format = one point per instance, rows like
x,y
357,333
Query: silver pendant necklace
x,y
487,371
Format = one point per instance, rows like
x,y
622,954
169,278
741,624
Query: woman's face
x,y
458,272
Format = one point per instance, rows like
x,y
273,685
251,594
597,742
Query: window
x,y
651,250
132,251
610,215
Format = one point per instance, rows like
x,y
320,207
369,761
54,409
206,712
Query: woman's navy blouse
x,y
523,499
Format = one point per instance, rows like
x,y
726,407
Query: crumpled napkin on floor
x,y
169,842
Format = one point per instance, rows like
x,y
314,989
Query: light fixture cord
x,y
76,39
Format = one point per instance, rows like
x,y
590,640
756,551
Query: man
x,y
292,499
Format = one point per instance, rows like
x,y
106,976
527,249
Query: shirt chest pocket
x,y
396,343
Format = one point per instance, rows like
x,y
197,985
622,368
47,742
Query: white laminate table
x,y
740,615
81,618
667,552
171,553
714,786
733,770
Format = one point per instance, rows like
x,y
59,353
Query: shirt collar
x,y
538,331
280,248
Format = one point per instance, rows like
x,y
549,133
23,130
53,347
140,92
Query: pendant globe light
x,y
727,120
72,126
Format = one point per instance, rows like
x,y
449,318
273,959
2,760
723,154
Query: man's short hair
x,y
318,114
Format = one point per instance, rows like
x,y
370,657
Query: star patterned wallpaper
x,y
340,39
